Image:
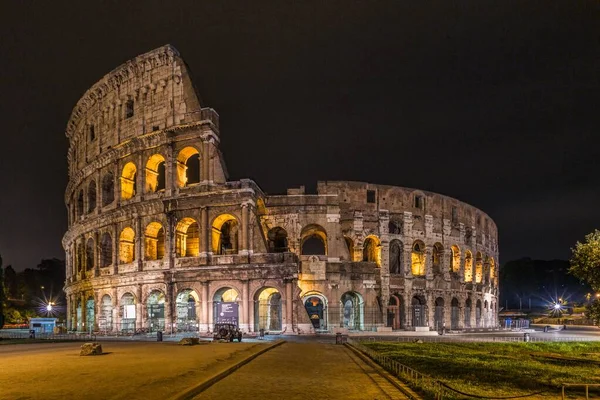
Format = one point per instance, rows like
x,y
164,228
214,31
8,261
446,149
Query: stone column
x,y
140,319
461,315
407,260
115,311
204,233
245,317
115,249
170,240
169,324
170,181
83,325
204,324
429,262
69,312
205,170
141,178
289,322
97,254
139,246
244,228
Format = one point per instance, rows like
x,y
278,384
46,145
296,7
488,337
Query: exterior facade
x,y
159,239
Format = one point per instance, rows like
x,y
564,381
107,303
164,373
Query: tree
x,y
585,265
1,294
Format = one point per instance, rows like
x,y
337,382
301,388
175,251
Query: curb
x,y
401,386
195,390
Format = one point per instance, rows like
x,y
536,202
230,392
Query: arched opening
x,y
468,313
128,181
187,238
225,306
437,256
314,240
105,317
492,271
80,258
155,173
371,250
128,313
395,227
89,254
127,246
188,167
108,189
418,258
478,314
106,251
154,242
438,315
396,257
454,314
278,242
352,311
90,318
478,267
91,197
350,247
185,308
486,314
316,308
419,311
79,315
455,259
395,312
468,266
225,235
80,204
267,310
156,311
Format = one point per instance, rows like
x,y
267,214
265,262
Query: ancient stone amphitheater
x,y
160,239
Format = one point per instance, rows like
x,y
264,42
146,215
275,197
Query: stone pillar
x,y
251,219
141,178
431,311
115,310
204,324
204,232
289,322
169,323
245,317
205,170
429,262
139,240
211,172
461,315
170,181
407,260
115,249
69,312
83,323
140,319
97,254
170,240
244,230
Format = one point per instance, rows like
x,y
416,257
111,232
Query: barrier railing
x,y
479,339
585,386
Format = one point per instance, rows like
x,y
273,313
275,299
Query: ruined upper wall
x,y
149,93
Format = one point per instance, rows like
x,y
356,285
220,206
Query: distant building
x,y
158,236
42,325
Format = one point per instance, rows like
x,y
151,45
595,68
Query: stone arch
x,y
154,241
187,238
350,246
454,314
395,227
352,311
155,173
478,314
127,246
419,310
438,315
128,181
396,257
108,189
455,259
277,240
186,302
418,258
437,258
106,250
486,314
468,307
396,318
315,304
468,266
105,320
267,309
90,314
225,236
188,166
478,267
372,250
127,305
155,305
89,254
492,271
79,208
313,240
225,294
91,197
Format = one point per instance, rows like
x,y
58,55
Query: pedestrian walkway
x,y
304,371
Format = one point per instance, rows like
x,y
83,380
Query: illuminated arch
x,y
128,181
127,246
455,259
225,234
492,271
91,197
278,242
313,240
372,249
154,242
478,267
188,166
468,266
418,258
106,250
437,257
155,173
187,238
267,309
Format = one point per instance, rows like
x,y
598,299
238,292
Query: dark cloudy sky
x,y
493,102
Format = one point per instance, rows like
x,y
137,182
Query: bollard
x,y
32,334
159,336
526,337
261,333
338,338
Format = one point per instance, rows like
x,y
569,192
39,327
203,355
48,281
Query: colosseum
x,y
160,239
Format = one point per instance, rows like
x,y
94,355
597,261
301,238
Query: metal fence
x,y
461,339
47,336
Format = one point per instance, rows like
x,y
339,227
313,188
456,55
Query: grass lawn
x,y
500,369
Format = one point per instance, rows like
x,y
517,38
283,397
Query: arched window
x,y
350,246
437,256
108,189
127,246
478,268
314,240
91,197
468,266
155,173
396,257
106,250
80,204
455,259
371,248
278,242
154,242
187,238
492,271
89,254
418,259
128,181
188,167
225,235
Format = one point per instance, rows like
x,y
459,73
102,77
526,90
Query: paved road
x,y
304,371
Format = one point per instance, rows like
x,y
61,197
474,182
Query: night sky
x,y
495,103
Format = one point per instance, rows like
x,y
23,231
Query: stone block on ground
x,y
91,349
189,341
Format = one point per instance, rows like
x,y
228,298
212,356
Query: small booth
x,y
42,326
